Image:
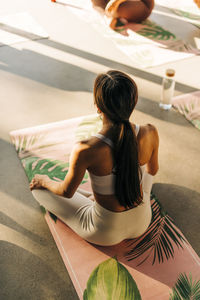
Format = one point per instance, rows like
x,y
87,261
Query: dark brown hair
x,y
115,94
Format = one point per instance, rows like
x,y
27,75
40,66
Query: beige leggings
x,y
93,222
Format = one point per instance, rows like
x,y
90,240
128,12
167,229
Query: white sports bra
x,y
105,185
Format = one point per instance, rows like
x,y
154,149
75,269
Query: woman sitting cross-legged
x,y
121,160
124,11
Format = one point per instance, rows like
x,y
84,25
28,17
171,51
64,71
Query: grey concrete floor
x,y
51,79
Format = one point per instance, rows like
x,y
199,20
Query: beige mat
x,y
187,10
19,27
146,45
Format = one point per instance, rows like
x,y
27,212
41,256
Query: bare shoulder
x,y
148,133
85,148
148,129
80,148
82,145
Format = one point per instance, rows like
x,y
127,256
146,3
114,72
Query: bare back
x,y
101,159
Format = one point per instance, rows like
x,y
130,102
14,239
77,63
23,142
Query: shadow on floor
x,y
13,178
27,275
46,70
113,64
49,71
152,108
9,222
183,205
47,65
24,274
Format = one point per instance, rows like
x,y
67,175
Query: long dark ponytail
x,y
115,94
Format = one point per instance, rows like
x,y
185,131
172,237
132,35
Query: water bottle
x,y
168,85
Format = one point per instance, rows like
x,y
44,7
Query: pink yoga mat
x,y
155,260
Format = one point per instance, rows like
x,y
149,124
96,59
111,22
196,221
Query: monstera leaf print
x,y
55,169
196,123
160,238
186,289
24,143
155,32
111,280
31,145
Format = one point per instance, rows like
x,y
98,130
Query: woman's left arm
x,y
77,167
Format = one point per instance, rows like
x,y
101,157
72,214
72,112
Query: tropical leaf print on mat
x,y
159,239
186,14
31,145
153,31
186,289
88,127
44,211
55,169
25,143
189,106
111,280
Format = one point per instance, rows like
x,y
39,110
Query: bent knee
x,y
134,11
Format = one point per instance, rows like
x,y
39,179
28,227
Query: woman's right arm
x,y
78,164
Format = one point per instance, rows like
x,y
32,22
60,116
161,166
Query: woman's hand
x,y
38,181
